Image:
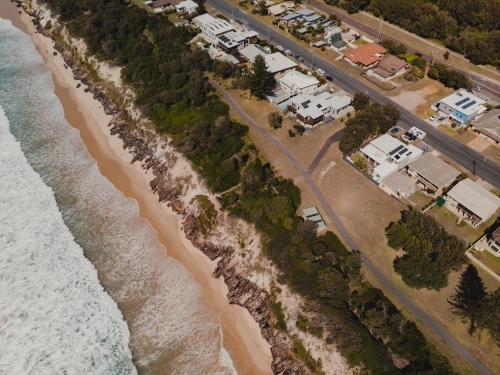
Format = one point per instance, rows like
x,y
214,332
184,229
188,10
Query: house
x,y
252,51
390,68
213,28
349,37
397,185
489,126
278,97
461,107
471,202
187,6
295,83
237,40
276,62
337,43
279,9
388,155
160,5
312,214
202,20
299,16
432,173
312,110
493,239
365,56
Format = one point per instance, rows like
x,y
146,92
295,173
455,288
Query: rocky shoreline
x,y
241,291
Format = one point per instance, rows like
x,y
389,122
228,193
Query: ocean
x,y
86,288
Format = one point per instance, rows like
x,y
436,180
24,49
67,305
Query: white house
x,y
187,6
237,40
461,107
397,185
432,173
389,154
276,62
202,20
311,110
298,83
473,203
212,28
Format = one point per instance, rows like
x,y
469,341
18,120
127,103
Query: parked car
x,y
329,78
301,59
441,119
433,117
280,48
394,130
288,52
321,72
297,55
477,88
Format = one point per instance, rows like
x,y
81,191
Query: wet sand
x,y
242,338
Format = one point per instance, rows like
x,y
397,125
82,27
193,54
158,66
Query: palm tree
x,y
414,74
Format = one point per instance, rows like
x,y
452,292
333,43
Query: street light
x,y
268,36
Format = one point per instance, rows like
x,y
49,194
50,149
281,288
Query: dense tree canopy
x,y
470,27
431,253
261,81
370,119
449,77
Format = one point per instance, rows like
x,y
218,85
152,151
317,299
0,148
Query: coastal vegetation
x,y
470,27
370,119
430,252
169,80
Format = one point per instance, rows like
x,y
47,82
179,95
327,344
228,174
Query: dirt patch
x,y
479,144
409,100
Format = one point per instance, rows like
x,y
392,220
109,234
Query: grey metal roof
x,y
434,170
397,182
489,124
475,198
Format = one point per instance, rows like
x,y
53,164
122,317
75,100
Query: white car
x,y
433,117
321,72
280,48
288,52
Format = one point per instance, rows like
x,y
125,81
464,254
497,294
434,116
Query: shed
x,y
312,214
397,185
319,43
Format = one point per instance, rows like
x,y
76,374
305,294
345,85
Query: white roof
x,y
277,9
337,102
278,62
397,182
218,26
384,169
464,102
386,143
252,51
204,19
475,198
374,153
298,79
188,4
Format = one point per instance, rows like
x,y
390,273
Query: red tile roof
x,y
365,55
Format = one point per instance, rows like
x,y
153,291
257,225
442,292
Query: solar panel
x,y
462,101
306,104
469,104
402,151
395,150
319,106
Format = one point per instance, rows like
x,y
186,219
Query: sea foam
x,y
173,329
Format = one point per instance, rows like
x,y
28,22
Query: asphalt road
x,y
455,150
487,85
330,141
440,331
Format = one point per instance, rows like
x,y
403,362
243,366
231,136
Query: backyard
x,y
489,260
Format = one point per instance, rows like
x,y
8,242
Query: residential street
x,y
459,152
440,331
486,84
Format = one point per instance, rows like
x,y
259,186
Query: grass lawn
x,y
419,199
489,260
173,17
463,230
493,152
360,42
465,137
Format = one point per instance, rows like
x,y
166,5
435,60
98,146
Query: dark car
x,y
394,131
329,78
297,55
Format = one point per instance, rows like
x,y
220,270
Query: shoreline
x,y
243,340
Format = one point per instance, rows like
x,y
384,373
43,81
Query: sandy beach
x,y
242,338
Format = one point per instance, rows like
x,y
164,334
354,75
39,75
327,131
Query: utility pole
x,y
379,30
232,13
312,62
474,162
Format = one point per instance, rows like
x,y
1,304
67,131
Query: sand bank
x,y
242,337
